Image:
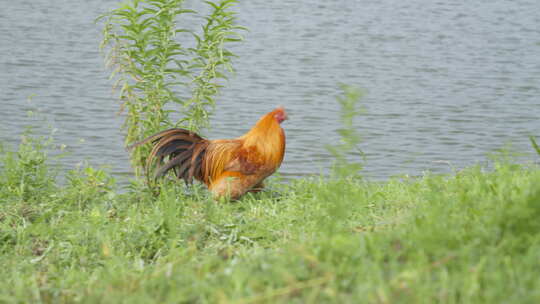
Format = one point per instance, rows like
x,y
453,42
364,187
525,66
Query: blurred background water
x,y
446,81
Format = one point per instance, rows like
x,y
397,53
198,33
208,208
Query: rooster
x,y
228,167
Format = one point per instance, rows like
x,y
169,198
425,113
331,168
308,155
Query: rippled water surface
x,y
446,81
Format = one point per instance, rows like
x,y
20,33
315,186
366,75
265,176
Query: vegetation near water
x,y
158,64
472,237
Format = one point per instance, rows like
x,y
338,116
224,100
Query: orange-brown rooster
x,y
228,167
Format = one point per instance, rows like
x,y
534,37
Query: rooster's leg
x,y
257,188
233,185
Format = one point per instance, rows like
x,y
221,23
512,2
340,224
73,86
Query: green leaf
x,y
535,145
215,6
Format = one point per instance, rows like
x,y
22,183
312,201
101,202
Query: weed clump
x,y
155,66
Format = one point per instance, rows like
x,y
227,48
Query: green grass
x,y
473,237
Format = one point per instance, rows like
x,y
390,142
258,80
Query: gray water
x,y
447,81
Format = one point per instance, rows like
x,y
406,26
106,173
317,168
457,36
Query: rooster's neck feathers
x,y
266,137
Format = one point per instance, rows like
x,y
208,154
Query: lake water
x,y
447,81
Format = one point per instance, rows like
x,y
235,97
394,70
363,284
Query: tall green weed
x,y
349,136
24,172
534,145
156,72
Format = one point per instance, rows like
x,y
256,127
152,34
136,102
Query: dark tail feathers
x,y
178,149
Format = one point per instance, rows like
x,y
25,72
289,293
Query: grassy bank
x,y
473,237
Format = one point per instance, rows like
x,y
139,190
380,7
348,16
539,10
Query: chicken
x,y
228,167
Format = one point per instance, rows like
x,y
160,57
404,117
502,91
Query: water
x,y
446,81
